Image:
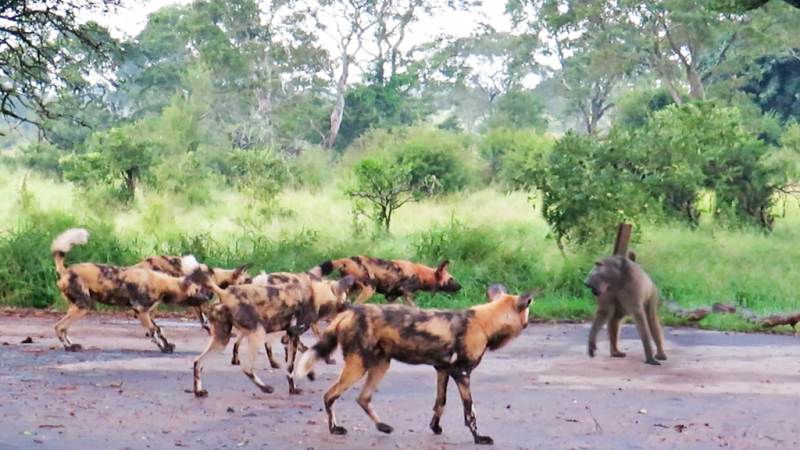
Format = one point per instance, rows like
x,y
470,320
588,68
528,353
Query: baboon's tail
x,y
327,267
64,242
322,349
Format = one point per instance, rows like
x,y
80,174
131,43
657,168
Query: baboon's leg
x,y
600,318
655,329
442,377
153,330
255,340
374,376
470,419
235,356
613,332
291,355
352,372
317,334
640,318
74,313
367,291
214,345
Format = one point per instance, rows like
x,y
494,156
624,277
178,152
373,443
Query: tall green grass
x,y
488,236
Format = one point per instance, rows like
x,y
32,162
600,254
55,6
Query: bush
x,y
515,155
261,175
312,168
42,157
441,155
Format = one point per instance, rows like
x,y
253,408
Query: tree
x,y
119,158
37,58
594,44
385,184
369,36
517,109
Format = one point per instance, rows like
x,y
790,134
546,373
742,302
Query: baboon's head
x,y
444,281
519,303
226,278
609,271
195,286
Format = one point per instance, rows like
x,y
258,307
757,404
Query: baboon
x,y
621,287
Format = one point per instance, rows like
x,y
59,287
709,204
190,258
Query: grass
x,y
489,237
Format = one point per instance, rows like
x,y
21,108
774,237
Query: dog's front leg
x,y
470,419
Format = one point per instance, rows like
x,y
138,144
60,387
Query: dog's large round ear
x,y
495,291
443,266
524,300
242,270
345,283
632,255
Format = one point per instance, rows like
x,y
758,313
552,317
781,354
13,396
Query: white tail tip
x,y
189,264
72,237
306,364
261,279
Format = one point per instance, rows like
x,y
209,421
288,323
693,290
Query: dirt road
x,y
717,390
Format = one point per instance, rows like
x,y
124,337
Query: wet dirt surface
x,y
717,390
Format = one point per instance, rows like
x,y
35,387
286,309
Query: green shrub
x,y
514,156
42,157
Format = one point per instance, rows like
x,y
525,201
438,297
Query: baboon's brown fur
x,y
622,288
453,342
178,266
256,311
391,278
141,289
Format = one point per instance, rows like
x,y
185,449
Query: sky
x,y
132,19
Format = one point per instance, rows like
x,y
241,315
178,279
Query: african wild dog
x,y
280,279
453,342
141,289
256,311
178,266
391,278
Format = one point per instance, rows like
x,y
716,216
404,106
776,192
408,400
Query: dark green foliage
x,y
386,185
380,105
42,157
438,156
514,156
634,108
517,109
775,90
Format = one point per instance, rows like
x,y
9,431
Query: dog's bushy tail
x,y
321,350
64,243
327,267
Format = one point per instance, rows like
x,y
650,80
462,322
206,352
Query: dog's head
x,y
444,281
226,277
519,304
330,296
195,285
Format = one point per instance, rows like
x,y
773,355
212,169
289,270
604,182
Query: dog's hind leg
x,y
220,335
235,356
352,372
271,337
374,376
470,419
367,291
442,377
291,354
153,330
74,313
255,340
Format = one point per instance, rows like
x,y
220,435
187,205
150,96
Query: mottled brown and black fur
x,y
281,279
622,288
393,279
178,266
453,342
143,290
256,311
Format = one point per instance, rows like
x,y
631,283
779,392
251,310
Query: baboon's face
x,y
606,272
444,281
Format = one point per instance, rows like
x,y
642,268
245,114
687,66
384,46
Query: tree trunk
x,y
336,122
696,90
130,182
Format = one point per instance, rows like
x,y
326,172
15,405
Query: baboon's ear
x,y
345,283
632,255
495,291
242,270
